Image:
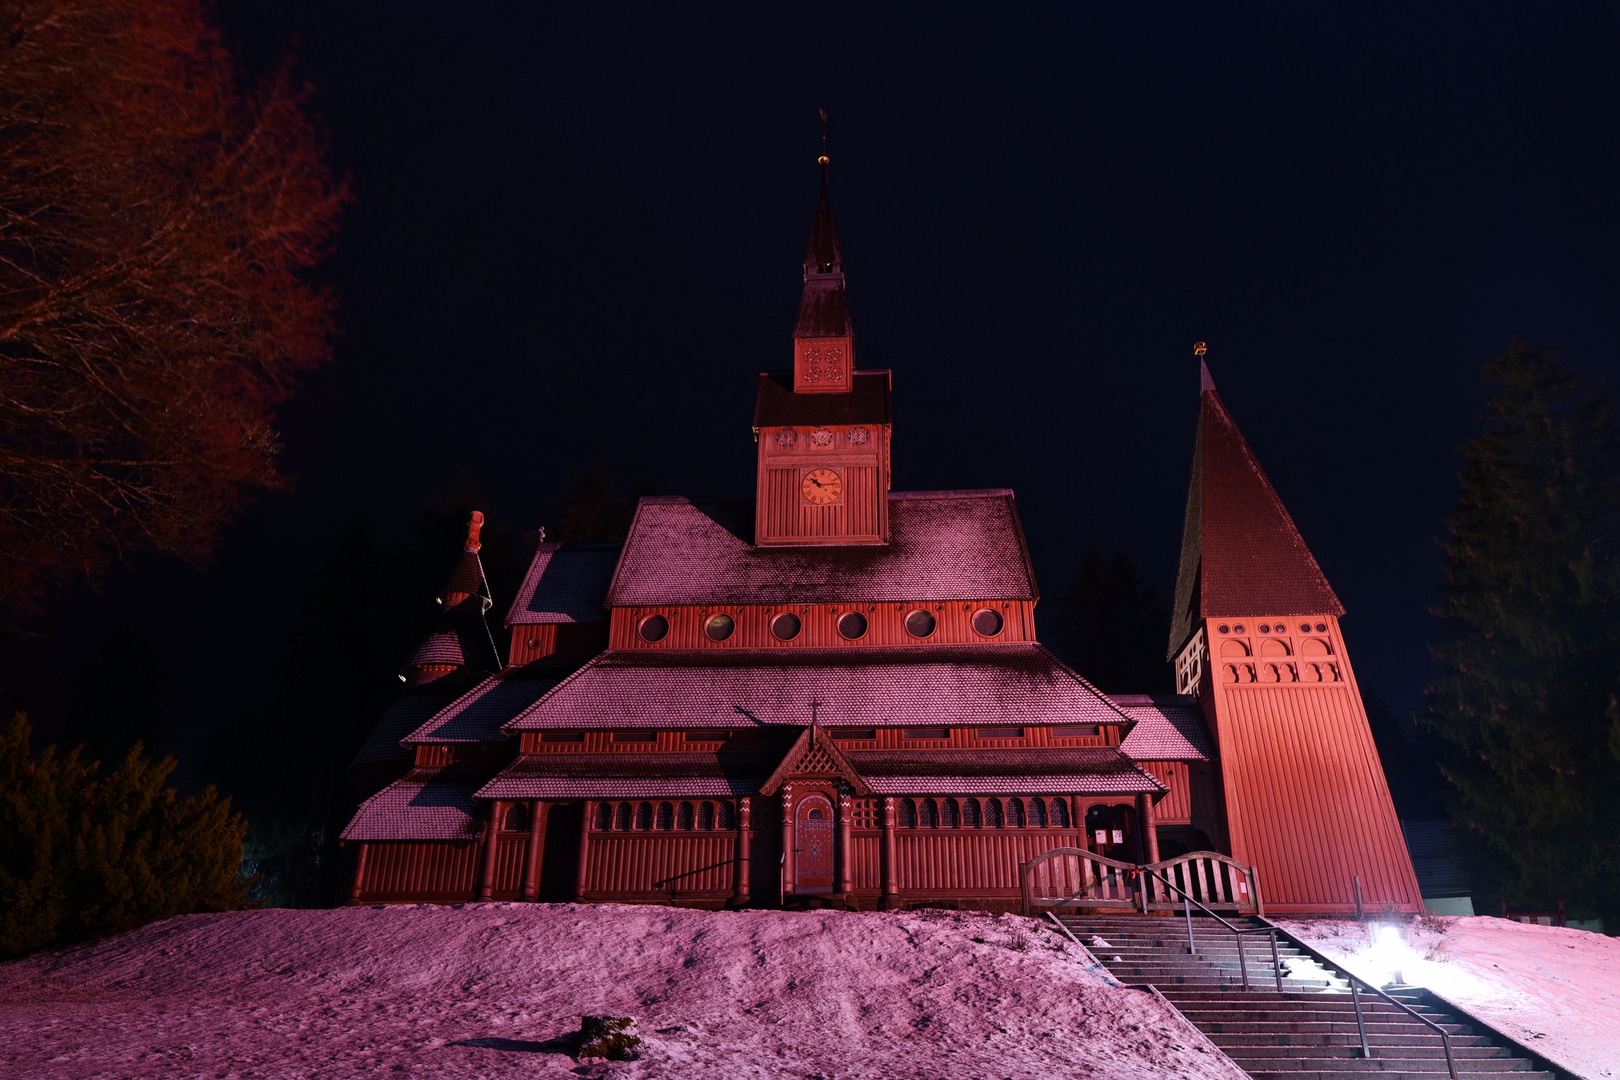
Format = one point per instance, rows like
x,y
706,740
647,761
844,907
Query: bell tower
x,y
1255,635
823,428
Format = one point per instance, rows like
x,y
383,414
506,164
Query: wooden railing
x,y
1217,882
1076,878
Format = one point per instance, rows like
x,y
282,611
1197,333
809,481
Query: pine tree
x,y
82,855
1111,627
1530,623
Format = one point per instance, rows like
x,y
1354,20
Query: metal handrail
x,y
1187,903
1355,997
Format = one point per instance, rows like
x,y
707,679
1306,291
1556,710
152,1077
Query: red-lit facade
x,y
835,690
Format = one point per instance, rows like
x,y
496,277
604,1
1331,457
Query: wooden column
x,y
584,852
359,872
891,888
486,867
788,861
745,841
846,876
1144,822
539,810
1077,817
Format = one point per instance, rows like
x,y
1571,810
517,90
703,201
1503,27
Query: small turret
x,y
460,639
823,342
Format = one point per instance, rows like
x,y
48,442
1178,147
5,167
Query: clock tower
x,y
822,428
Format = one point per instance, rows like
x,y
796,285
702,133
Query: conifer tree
x,y
83,855
1530,623
1111,627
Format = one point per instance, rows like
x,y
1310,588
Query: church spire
x,y
1241,554
823,341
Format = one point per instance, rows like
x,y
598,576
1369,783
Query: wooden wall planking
x,y
661,863
885,625
419,870
1307,799
971,862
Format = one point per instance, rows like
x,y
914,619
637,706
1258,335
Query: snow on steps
x,y
1307,1032
480,990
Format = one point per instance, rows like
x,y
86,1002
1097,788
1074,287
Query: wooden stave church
x,y
834,690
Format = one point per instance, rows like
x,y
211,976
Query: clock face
x,y
822,486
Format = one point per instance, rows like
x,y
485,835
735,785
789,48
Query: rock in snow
x,y
483,990
1555,990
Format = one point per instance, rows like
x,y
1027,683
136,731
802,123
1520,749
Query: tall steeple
x,y
1256,636
823,342
460,637
1240,550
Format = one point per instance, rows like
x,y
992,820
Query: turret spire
x,y
824,343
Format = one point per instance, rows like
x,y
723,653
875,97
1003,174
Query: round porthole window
x,y
1265,628
1225,629
654,627
720,627
786,626
1321,628
920,623
852,625
1238,629
987,622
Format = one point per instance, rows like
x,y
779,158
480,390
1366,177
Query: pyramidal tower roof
x,y
1241,553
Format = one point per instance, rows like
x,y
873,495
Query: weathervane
x,y
1199,348
822,160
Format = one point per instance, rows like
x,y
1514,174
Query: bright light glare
x,y
1391,958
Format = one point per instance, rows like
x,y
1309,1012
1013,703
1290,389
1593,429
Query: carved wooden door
x,y
813,845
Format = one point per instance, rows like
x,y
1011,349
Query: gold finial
x,y
822,160
1199,348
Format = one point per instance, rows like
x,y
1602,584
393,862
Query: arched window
x,y
644,816
1037,814
604,817
705,817
908,814
970,814
621,817
992,814
683,817
927,814
722,816
666,817
949,816
1060,813
517,818
1015,813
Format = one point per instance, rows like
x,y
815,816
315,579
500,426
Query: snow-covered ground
x,y
1555,990
479,991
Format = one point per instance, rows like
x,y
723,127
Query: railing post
x,y
1186,907
1243,964
1254,883
1355,880
1276,961
1361,1025
1023,882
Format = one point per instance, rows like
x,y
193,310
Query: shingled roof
x,y
479,715
424,804
566,583
776,405
951,684
631,776
412,710
1040,771
944,545
459,638
1241,554
1167,729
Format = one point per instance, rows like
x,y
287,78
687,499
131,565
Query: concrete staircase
x,y
1306,1032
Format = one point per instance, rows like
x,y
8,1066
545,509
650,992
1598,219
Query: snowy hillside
x,y
1556,991
481,990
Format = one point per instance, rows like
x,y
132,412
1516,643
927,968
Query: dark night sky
x,y
578,233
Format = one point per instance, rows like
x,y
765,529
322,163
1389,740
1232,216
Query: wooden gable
x,y
813,754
